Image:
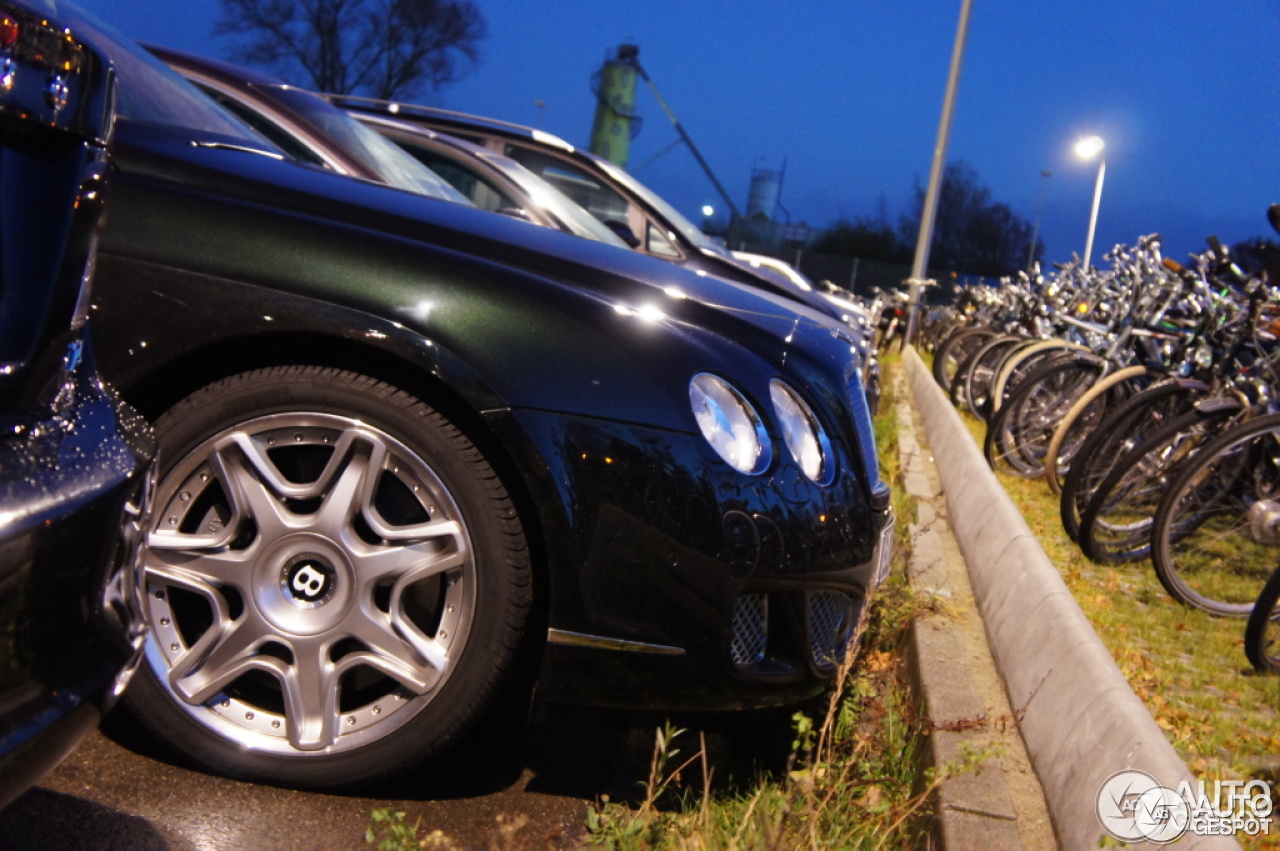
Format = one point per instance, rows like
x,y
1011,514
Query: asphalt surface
x,y
117,791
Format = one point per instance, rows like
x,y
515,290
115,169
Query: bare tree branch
x,y
383,48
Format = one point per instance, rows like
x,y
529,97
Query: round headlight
x,y
802,433
729,423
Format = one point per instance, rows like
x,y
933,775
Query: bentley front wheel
x,y
335,580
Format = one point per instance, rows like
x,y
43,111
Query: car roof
x,y
460,119
210,66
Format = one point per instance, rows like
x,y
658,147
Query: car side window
x,y
656,242
483,192
584,188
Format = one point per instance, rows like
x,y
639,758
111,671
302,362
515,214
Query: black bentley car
x,y
412,451
74,461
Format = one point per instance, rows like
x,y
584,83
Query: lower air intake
x,y
832,618
750,629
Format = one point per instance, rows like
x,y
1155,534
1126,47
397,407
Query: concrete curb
x,y
1082,722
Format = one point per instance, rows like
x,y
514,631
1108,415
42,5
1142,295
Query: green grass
x,y
1188,667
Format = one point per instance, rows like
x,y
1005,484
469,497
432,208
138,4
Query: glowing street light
x,y
1086,149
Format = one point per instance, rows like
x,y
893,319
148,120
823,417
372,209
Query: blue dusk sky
x,y
848,96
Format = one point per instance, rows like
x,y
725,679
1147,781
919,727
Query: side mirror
x,y
624,233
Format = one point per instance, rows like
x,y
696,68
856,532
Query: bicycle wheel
x,y
1019,432
952,352
978,372
1262,633
1123,429
1116,525
956,391
1019,363
1217,531
1088,410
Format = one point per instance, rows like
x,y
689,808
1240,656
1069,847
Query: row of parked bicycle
x,y
1145,396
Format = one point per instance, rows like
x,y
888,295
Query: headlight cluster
x,y
737,433
729,423
802,433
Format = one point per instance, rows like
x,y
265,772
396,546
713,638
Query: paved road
x,y
118,792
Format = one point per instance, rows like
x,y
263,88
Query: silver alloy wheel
x,y
309,584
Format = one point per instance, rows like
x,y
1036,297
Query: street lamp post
x,y
1035,231
1087,149
929,212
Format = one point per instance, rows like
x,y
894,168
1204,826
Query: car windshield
x,y
673,217
386,159
151,92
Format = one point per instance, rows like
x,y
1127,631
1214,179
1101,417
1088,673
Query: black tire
x,y
956,391
1116,526
1084,415
1018,434
1018,363
952,352
933,334
336,580
980,370
1262,632
1123,429
1217,531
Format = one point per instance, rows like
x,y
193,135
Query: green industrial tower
x,y
616,122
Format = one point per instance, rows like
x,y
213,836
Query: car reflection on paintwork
x,y
311,130
304,127
853,312
607,191
492,181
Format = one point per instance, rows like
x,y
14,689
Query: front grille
x,y
750,629
832,618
